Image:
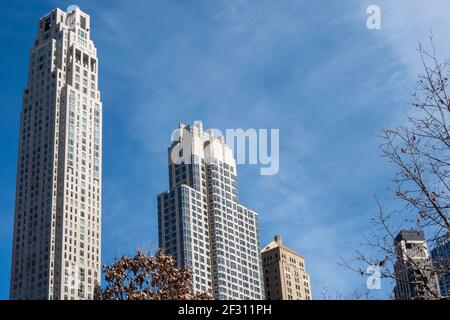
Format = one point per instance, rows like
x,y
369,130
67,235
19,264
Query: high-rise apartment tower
x,y
57,223
440,256
285,275
202,224
414,279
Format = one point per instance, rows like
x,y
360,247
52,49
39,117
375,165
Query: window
x,y
47,24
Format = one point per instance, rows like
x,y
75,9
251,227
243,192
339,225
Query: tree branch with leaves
x,y
146,277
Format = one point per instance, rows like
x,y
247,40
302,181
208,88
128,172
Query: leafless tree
x,y
146,277
355,294
420,150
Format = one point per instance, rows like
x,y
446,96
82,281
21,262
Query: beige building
x,y
285,275
57,223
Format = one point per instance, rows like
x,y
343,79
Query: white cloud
x,y
405,23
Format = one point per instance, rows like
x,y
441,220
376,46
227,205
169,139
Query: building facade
x,y
57,222
414,281
285,275
202,224
440,256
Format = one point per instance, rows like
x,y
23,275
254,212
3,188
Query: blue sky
x,y
310,68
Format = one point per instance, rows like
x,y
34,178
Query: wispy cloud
x,y
237,64
311,69
405,24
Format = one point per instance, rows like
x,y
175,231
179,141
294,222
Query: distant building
x,y
413,280
440,256
285,275
201,222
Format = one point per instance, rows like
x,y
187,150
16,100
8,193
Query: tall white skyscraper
x,y
57,224
201,222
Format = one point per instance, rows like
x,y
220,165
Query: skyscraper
x,y
414,281
202,224
285,275
57,223
440,256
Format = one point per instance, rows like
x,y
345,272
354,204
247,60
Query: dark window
x,y
47,24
